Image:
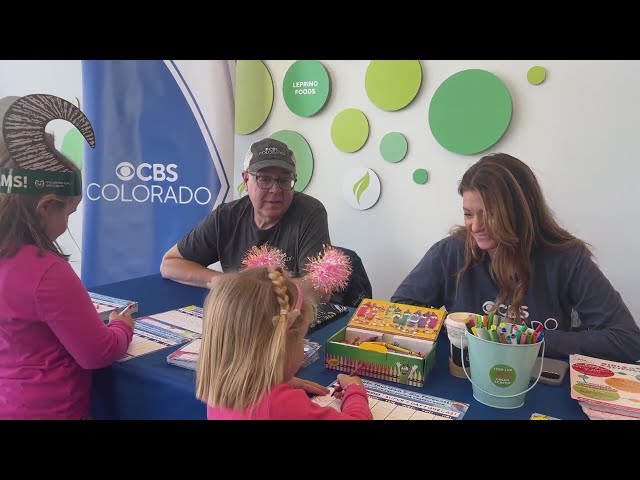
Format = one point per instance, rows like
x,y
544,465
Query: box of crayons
x,y
398,319
385,356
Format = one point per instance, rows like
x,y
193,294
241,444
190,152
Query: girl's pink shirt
x,y
51,337
284,402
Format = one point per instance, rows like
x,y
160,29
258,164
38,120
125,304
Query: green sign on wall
x,y
306,87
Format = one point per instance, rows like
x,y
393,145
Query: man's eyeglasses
x,y
266,181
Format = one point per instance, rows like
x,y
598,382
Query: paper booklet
x,y
186,356
311,353
393,403
165,329
327,313
604,386
105,305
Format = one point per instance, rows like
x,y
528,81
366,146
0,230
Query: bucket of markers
x,y
501,371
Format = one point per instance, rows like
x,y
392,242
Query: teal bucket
x,y
500,372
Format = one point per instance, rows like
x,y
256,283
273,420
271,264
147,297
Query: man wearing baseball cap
x,y
273,214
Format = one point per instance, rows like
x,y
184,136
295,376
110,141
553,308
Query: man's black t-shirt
x,y
230,231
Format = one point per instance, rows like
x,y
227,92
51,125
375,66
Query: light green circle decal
x,y
502,375
470,111
254,95
350,130
302,152
420,176
393,84
72,145
393,147
306,87
536,75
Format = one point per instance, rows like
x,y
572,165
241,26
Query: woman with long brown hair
x,y
511,257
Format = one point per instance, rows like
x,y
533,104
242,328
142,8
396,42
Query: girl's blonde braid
x,y
281,290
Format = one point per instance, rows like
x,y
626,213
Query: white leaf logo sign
x,y
361,185
361,188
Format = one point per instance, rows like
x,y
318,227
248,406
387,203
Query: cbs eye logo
x,y
158,172
125,171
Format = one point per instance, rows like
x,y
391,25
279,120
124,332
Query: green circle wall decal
x,y
72,145
393,84
350,130
302,152
536,75
306,87
254,95
420,176
241,189
393,147
470,111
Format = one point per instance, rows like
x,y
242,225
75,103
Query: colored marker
x,y
493,336
501,335
127,308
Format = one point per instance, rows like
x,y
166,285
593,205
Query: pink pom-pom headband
x,y
328,272
264,256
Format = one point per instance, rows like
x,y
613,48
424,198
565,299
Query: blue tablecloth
x,y
148,388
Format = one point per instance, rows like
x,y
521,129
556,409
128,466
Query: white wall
x,y
56,77
578,131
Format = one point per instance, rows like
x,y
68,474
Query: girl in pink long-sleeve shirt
x,y
51,335
254,325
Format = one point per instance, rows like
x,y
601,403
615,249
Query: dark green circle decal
x,y
502,375
470,111
420,176
302,152
306,87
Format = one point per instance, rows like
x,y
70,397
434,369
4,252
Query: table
x,y
148,388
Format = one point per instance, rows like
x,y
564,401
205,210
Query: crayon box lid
x,y
398,319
